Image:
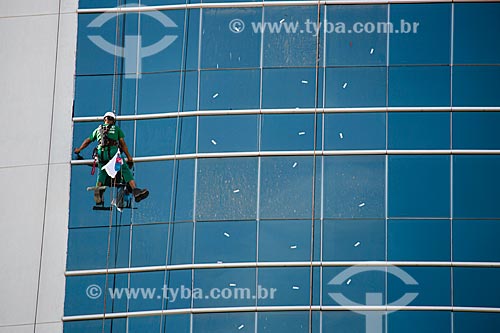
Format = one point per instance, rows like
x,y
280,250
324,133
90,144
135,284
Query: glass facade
x,y
312,167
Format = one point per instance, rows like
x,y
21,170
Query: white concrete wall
x,y
37,64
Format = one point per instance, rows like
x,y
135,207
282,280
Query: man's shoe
x,y
140,194
98,196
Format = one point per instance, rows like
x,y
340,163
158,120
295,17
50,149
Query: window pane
x,y
424,34
419,86
156,136
186,134
184,190
289,88
285,48
476,240
477,287
179,296
229,89
476,30
476,85
93,95
349,321
228,45
354,186
227,189
405,239
288,132
84,326
285,240
345,131
476,130
356,49
227,133
224,322
286,187
283,322
475,186
420,321
419,130
287,286
419,186
158,93
348,240
356,87
144,281
471,322
180,249
222,242
149,244
176,323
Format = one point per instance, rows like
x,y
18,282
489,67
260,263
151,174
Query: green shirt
x,y
115,133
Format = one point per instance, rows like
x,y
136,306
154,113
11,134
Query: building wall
x,y
37,58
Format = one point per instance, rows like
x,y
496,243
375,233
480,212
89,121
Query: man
x,y
110,138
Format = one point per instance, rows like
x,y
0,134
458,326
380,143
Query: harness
x,y
105,143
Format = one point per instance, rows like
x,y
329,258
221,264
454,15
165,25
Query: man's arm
x,y
84,145
124,148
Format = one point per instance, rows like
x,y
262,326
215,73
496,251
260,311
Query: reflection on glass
x,y
93,95
149,244
158,93
344,131
476,85
354,187
224,322
152,280
227,133
286,286
288,132
289,88
283,322
156,136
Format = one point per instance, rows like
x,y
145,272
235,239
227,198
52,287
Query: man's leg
x,y
139,194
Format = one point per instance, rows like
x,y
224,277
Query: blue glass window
x,y
158,93
419,186
93,95
179,295
221,242
422,34
419,130
470,322
227,133
283,322
356,87
149,244
156,136
475,186
289,88
414,240
354,187
476,240
84,326
286,187
176,323
180,244
224,322
226,189
476,130
288,132
183,190
476,85
147,281
476,30
186,134
286,285
419,86
228,43
476,287
349,321
420,321
345,131
229,89
347,240
345,48
190,96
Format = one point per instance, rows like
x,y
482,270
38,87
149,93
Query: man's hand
x,y
77,150
130,162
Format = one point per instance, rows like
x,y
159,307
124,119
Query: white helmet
x,y
109,114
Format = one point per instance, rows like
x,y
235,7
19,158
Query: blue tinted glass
x,y
93,95
285,240
288,132
189,97
227,44
476,130
355,284
77,301
175,323
413,240
149,244
286,187
433,286
186,134
350,322
476,85
420,321
419,86
356,87
183,190
161,42
237,283
347,240
152,281
220,242
85,326
229,89
82,131
156,136
88,248
226,189
192,41
476,287
283,322
157,178
419,186
354,186
224,322
475,186
286,285
476,240
471,322
355,131
476,30
178,295
424,34
361,48
282,47
289,88
419,130
158,93
227,133
180,249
